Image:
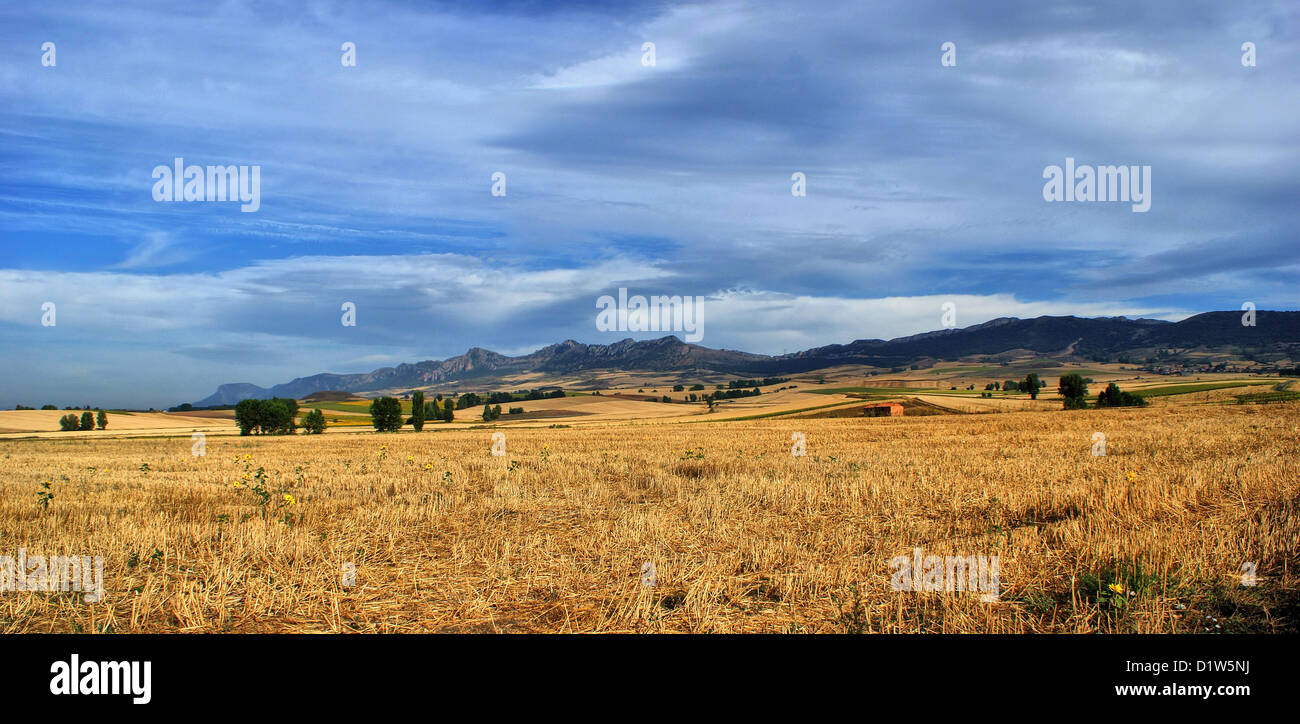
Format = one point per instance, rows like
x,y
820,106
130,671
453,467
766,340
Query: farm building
x,y
884,409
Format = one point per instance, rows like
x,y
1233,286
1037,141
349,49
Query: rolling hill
x,y
1275,336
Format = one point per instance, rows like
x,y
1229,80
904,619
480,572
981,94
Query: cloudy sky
x,y
924,181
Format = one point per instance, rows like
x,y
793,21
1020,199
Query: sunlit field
x,y
262,534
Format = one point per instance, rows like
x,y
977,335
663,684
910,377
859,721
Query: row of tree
x,y
473,399
1030,384
386,412
87,421
276,416
733,394
736,384
1074,388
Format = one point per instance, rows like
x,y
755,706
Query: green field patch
x,y
1188,388
358,407
1260,398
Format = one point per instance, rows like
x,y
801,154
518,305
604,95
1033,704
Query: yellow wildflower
x,y
288,499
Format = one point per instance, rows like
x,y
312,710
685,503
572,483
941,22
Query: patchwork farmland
x,y
440,534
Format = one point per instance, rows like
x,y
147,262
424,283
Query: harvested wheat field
x,y
45,423
261,534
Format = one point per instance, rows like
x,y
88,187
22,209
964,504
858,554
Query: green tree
x,y
102,420
448,410
87,420
277,417
248,416
1031,385
1114,397
1074,390
286,423
1010,386
1109,397
69,423
386,414
314,422
417,410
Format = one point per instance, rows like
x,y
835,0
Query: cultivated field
x,y
743,536
45,423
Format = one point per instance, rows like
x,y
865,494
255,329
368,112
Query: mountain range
x,y
1274,336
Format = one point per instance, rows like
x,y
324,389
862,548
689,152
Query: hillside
x,y
1275,337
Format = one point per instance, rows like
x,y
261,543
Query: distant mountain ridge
x,y
1097,339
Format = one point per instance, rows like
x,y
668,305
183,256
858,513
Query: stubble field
x,y
743,536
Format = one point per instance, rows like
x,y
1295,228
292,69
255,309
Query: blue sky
x,y
924,182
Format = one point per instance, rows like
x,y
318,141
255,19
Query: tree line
x,y
275,416
736,384
278,415
87,421
1074,388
